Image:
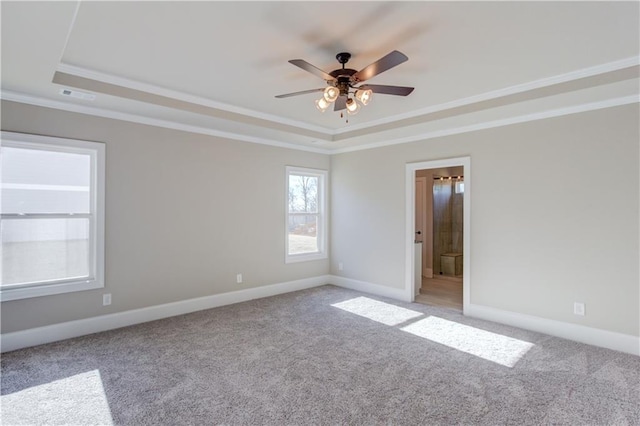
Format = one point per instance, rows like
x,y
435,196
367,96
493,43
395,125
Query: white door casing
x,y
410,222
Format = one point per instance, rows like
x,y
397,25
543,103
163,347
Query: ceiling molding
x,y
598,70
101,112
559,112
189,98
138,90
134,118
69,31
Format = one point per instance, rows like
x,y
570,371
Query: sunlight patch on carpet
x,y
493,347
78,399
381,312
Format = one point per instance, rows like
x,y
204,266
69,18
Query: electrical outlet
x,y
106,299
239,278
578,308
340,266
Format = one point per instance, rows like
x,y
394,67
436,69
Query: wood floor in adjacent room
x,y
441,291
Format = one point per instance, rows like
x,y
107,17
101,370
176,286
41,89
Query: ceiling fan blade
x,y
381,65
387,90
341,103
304,92
312,69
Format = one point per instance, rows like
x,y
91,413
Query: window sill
x,y
305,257
48,289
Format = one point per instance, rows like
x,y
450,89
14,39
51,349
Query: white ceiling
x,y
215,67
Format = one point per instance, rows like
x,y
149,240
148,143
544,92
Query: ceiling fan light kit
x,y
352,106
364,96
322,104
344,86
331,93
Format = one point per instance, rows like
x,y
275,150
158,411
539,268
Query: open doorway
x,y
439,227
439,215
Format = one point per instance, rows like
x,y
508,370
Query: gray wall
x,y
554,215
185,214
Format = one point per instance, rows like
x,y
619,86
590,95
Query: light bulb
x,y
322,105
331,93
352,106
364,96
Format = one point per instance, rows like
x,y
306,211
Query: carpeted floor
x,y
321,356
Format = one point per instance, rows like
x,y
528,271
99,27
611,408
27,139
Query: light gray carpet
x,y
321,356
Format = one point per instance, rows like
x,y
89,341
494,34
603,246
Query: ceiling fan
x,y
343,82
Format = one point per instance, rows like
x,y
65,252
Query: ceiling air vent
x,y
77,94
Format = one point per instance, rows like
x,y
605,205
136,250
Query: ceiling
x,y
215,67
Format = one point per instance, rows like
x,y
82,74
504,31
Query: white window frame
x,y
96,152
322,232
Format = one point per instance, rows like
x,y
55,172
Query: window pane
x,y
303,193
39,181
35,250
303,234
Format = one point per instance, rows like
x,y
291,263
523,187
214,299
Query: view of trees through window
x,y
303,214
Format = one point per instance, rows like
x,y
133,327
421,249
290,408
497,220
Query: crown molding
x,y
601,69
161,91
134,118
559,112
334,135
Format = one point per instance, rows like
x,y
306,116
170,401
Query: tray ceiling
x,y
218,65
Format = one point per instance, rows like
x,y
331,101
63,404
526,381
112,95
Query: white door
x,y
421,184
420,227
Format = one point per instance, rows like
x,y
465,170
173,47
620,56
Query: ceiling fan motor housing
x,y
343,81
343,57
343,76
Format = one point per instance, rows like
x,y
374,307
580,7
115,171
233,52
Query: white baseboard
x,y
67,330
576,332
52,333
366,287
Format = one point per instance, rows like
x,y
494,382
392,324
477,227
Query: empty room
x,y
290,213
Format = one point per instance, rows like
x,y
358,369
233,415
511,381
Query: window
x,y
306,222
52,215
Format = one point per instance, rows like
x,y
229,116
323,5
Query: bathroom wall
x,y
449,209
447,219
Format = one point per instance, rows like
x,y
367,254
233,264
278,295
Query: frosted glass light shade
x,y
364,96
322,104
352,106
331,94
